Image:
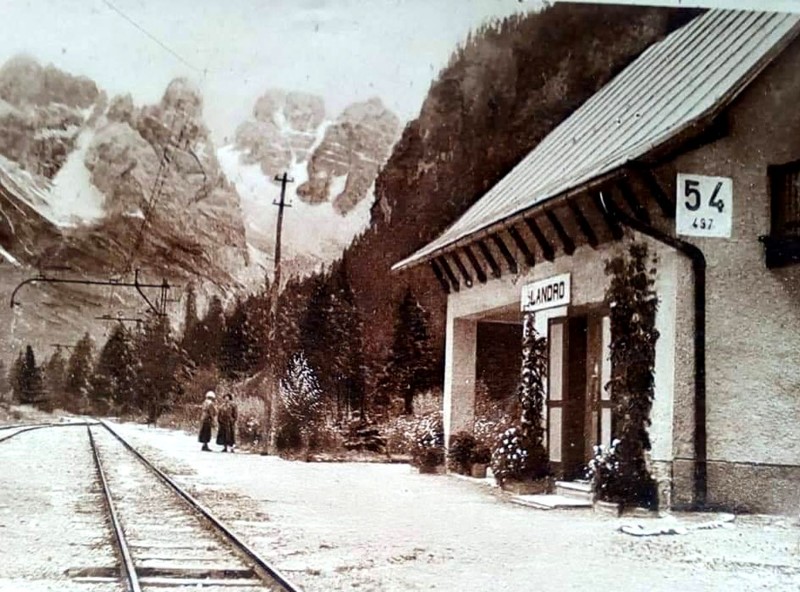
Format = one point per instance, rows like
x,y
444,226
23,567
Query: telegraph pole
x,y
274,292
284,179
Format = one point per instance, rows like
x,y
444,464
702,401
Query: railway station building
x,y
693,149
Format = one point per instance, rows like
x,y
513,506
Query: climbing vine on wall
x,y
633,302
521,452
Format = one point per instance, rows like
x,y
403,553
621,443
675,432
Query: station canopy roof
x,y
675,84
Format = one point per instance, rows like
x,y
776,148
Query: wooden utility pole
x,y
284,179
274,292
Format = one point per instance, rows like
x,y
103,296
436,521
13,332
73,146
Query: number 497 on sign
x,y
704,205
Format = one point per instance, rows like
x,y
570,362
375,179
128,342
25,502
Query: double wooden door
x,y
578,405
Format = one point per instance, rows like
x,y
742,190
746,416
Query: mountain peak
x,y
24,81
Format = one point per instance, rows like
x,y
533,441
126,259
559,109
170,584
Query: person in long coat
x,y
209,414
226,421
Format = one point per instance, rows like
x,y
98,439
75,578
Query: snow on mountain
x,y
74,199
333,164
315,231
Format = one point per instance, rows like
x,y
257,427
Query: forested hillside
x,y
503,91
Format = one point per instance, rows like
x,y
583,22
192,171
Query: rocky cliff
x,y
95,188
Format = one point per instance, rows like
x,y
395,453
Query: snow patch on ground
x,y
384,528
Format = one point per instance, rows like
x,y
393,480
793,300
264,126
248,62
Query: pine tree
x,y
5,386
256,330
15,376
112,383
346,337
209,335
411,367
315,341
159,369
31,383
191,341
301,397
55,377
235,343
79,374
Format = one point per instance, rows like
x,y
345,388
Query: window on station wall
x,y
783,242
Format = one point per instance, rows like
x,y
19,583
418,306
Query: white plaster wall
x,y
589,282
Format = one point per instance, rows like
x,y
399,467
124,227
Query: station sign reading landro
x,y
548,293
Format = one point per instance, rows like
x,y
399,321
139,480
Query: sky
x,y
344,50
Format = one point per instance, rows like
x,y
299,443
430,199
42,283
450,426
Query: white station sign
x,y
549,293
704,206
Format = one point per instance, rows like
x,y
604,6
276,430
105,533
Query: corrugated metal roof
x,y
675,83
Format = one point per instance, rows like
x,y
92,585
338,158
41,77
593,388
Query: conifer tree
x,y
114,375
55,378
346,343
191,341
159,368
79,374
31,385
301,397
315,327
209,335
235,344
4,384
411,368
15,376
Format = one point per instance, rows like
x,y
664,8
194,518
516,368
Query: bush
x,y
481,455
603,472
517,458
401,432
612,483
287,436
252,420
459,453
428,449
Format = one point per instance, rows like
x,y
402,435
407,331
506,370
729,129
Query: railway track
x,y
166,539
9,431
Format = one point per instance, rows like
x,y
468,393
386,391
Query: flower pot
x,y
431,469
478,470
608,508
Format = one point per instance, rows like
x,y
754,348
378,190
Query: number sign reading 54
x,y
704,205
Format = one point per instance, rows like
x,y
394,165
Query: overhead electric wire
x,y
152,37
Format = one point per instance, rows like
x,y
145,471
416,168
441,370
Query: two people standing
x,y
226,416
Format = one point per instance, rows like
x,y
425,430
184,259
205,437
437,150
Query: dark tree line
x,y
136,370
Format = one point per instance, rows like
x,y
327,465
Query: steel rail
x,y
264,570
126,565
22,428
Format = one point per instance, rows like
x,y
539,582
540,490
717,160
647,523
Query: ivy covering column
x,y
633,302
520,454
532,395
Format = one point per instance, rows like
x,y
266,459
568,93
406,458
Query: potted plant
x,y
459,453
481,457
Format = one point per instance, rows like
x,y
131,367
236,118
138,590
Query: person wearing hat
x,y
207,420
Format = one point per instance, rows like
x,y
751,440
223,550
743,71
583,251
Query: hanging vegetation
x,y
633,302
